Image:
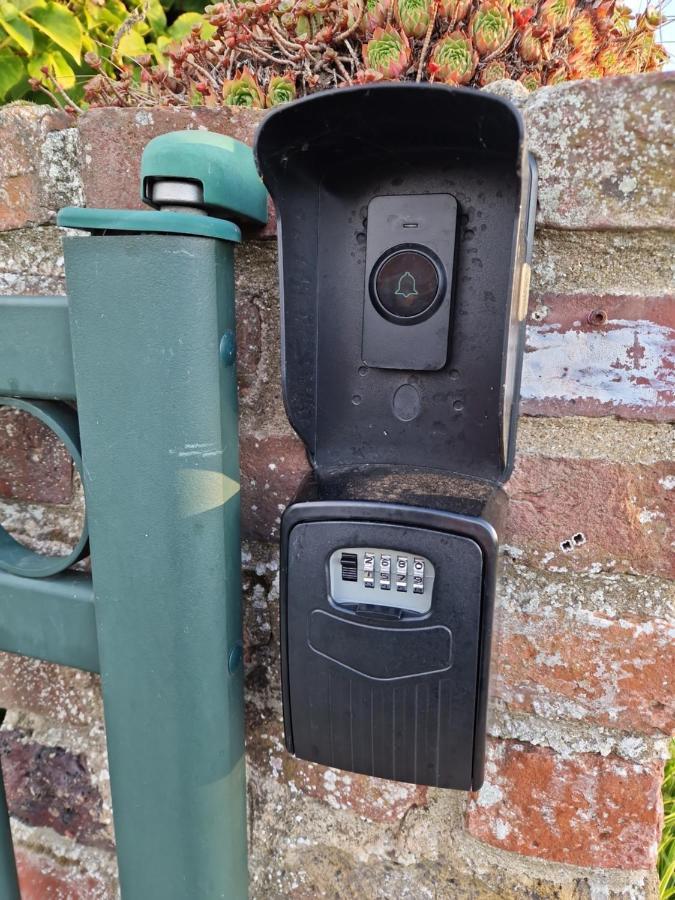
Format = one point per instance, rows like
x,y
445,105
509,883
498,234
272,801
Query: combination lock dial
x,y
364,576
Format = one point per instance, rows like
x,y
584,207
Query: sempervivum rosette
x,y
413,16
530,80
556,14
281,89
388,53
535,44
243,90
491,27
582,34
493,71
454,10
453,59
376,14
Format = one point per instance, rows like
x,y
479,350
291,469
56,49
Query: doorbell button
x,y
406,284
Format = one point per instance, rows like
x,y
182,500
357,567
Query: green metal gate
x,y
144,345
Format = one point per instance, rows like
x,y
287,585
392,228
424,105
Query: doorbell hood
x,y
405,215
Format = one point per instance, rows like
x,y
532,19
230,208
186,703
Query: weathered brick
x,y
633,263
43,877
258,339
38,173
113,141
31,261
50,786
609,439
604,152
600,355
34,463
373,798
569,660
620,513
586,810
271,470
70,697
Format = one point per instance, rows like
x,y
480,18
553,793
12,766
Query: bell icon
x,y
406,286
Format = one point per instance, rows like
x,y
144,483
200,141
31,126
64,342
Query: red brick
x,y
585,810
624,513
619,367
113,142
43,878
50,786
603,148
70,696
271,470
580,664
23,130
34,463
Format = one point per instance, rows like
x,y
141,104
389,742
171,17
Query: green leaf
x,y
156,17
19,32
56,62
131,44
111,15
11,72
60,26
184,24
25,5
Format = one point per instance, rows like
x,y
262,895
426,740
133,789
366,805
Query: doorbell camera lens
x,y
407,284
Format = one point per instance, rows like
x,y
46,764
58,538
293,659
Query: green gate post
x,y
151,300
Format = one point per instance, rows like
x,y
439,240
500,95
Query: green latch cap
x,y
220,171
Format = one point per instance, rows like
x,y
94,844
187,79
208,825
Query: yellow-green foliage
x,y
667,846
57,35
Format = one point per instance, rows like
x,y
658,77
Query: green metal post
x,y
9,882
151,305
152,326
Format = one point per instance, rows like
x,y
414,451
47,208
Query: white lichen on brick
x,y
60,179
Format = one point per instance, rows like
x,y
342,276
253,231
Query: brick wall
x,y
583,699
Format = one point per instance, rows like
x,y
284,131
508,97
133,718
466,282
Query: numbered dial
x,y
380,577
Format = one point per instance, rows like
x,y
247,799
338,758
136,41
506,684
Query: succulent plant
x,y
303,27
376,14
388,53
556,15
582,35
494,71
535,44
295,47
243,90
622,20
454,10
582,67
531,80
453,59
413,16
281,89
491,27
